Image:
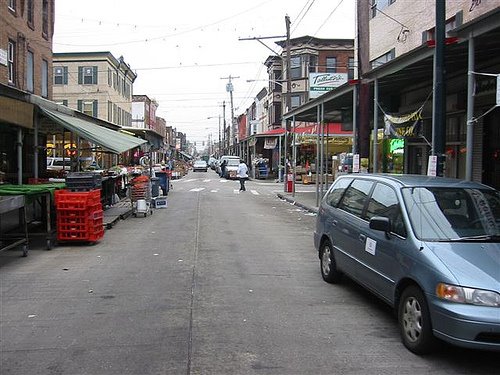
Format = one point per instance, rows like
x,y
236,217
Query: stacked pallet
x,y
79,215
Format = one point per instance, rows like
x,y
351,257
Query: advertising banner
x,y
321,83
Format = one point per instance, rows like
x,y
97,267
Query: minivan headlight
x,y
454,293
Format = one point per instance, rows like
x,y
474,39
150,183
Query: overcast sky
x,y
180,50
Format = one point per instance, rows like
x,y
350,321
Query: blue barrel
x,y
164,181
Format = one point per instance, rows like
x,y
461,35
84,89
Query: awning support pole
x,y
19,146
318,122
294,166
470,110
354,119
35,145
375,126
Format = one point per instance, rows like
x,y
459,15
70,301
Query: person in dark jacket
x,y
223,168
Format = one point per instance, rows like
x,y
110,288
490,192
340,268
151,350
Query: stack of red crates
x,y
79,215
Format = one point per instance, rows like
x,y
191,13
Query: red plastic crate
x,y
66,199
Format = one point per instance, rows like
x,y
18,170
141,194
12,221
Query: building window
x,y
110,111
12,5
295,67
11,61
45,78
45,18
350,68
381,60
295,101
89,107
275,84
331,65
276,114
87,75
60,75
313,64
379,5
30,13
30,71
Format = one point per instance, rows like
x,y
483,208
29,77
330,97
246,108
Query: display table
x,y
40,198
14,239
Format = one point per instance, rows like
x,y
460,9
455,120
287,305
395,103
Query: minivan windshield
x,y
453,214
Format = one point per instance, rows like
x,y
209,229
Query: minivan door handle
x,y
362,238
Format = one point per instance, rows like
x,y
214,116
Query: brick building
x,y
26,31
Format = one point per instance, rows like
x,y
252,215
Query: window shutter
x,y
80,75
65,102
94,71
65,75
94,108
80,105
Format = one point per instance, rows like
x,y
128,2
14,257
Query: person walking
x,y
242,174
223,168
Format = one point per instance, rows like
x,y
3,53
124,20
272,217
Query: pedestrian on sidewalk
x,y
242,174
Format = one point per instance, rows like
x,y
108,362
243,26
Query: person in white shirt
x,y
242,174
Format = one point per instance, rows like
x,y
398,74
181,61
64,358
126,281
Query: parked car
x,y
200,165
428,246
232,163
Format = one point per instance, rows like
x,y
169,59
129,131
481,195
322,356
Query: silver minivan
x,y
428,246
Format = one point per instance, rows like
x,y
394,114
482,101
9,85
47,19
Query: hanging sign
x,y
498,90
397,126
432,166
270,143
321,83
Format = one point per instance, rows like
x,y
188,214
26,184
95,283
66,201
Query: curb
x,y
313,210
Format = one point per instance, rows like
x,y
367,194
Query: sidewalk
x,y
304,197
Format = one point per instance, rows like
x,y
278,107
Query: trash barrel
x,y
155,186
289,183
164,181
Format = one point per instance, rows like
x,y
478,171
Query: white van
x,y
58,164
232,162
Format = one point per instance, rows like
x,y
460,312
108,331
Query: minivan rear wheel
x,y
328,267
415,322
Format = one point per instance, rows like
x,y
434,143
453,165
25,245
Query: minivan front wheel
x,y
415,322
329,270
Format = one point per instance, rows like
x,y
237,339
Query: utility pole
x,y
288,101
224,131
439,102
230,88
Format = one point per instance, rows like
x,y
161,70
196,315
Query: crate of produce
x,y
83,181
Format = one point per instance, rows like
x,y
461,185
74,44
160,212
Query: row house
x,y
98,85
26,31
95,83
395,60
312,60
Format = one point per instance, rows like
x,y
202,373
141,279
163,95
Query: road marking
x,y
214,191
190,180
223,181
197,189
254,192
207,180
236,191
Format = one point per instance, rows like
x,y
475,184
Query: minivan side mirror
x,y
380,223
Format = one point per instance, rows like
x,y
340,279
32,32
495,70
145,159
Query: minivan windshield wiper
x,y
483,237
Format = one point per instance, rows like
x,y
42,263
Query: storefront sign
x,y
355,163
321,83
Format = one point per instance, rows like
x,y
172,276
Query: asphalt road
x,y
220,282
